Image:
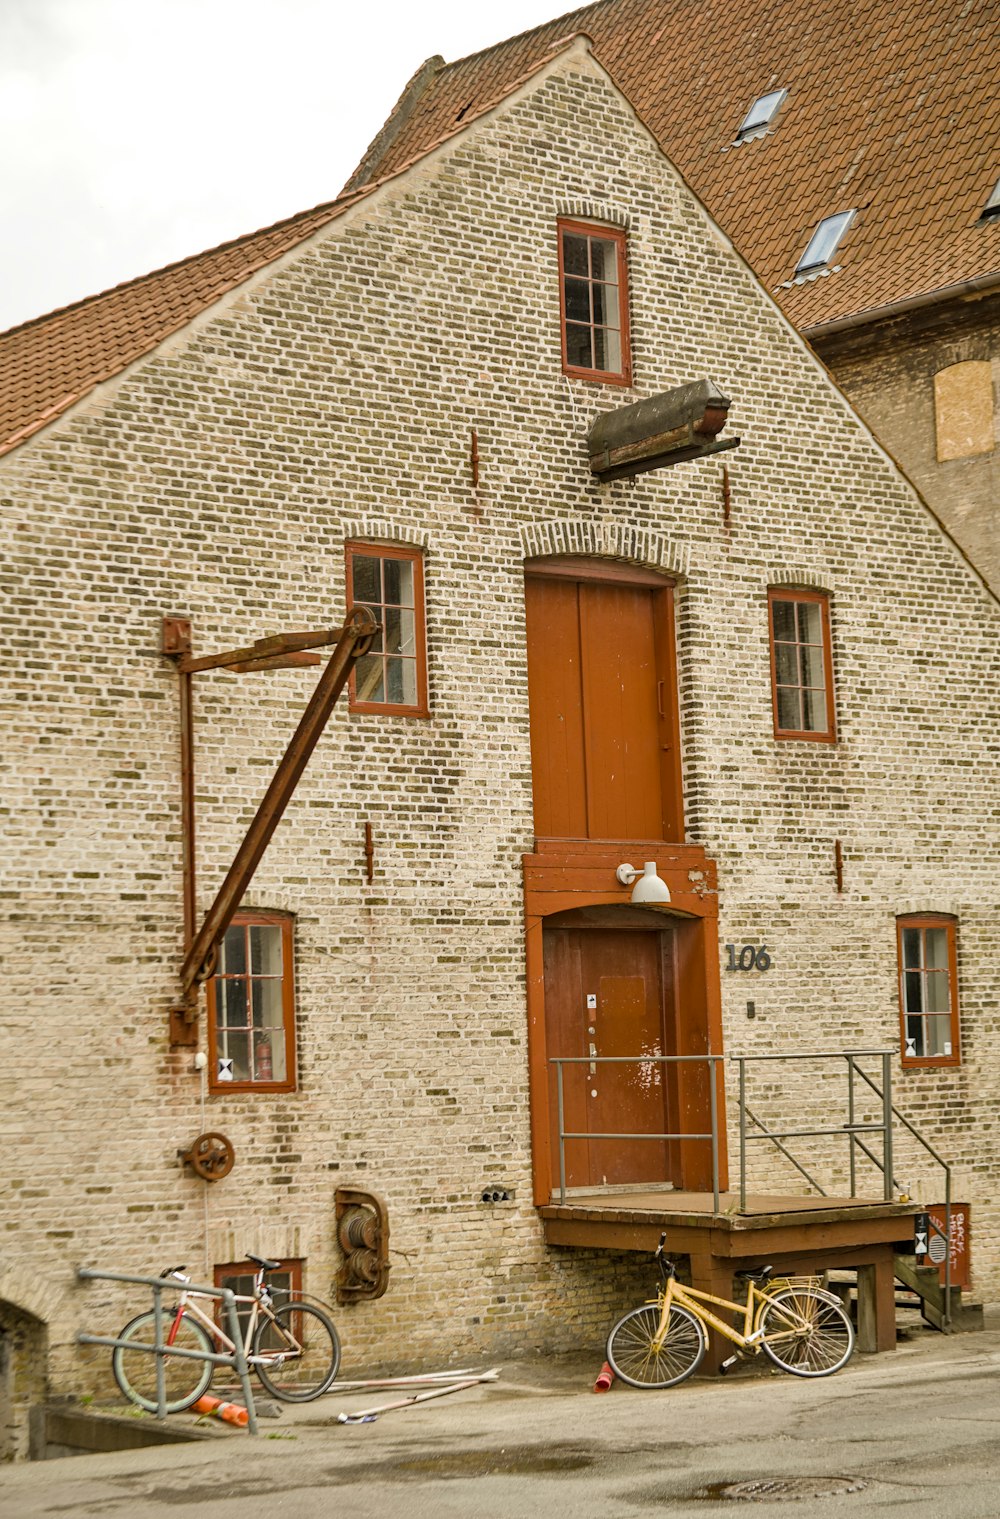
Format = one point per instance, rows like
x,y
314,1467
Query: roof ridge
x,y
542,26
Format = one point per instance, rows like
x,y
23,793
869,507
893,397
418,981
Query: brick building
x,y
852,153
769,671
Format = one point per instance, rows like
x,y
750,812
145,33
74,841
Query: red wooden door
x,y
610,993
604,758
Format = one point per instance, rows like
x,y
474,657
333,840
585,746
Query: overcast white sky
x,y
135,132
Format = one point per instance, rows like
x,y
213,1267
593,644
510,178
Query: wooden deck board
x,y
696,1208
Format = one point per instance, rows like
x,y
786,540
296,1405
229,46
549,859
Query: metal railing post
x,y
850,1120
239,1355
562,1135
887,1177
742,1062
714,1106
158,1359
947,1246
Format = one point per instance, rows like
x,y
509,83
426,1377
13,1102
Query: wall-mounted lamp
x,y
648,886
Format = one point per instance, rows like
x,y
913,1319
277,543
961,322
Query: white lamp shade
x,y
649,887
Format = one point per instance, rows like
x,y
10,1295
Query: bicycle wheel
x,y
806,1333
633,1358
135,1370
307,1342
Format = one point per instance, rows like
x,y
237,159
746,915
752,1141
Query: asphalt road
x,y
916,1432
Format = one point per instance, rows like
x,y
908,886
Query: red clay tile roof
x,y
893,109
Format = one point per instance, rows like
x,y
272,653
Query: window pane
x,y
233,959
366,585
575,254
578,351
577,301
937,991
400,631
267,1004
783,614
913,991
269,1055
399,582
604,260
606,305
237,1049
812,665
937,1038
368,678
814,706
936,948
914,1037
401,681
789,709
911,946
265,949
607,349
810,622
786,664
232,1000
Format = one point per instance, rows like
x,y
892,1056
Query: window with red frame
x,y
593,289
801,665
392,677
251,1006
928,989
239,1278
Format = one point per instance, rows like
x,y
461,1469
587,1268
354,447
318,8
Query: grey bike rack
x,y
237,1361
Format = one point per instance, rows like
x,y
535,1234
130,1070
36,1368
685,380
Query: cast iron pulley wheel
x,y
211,1156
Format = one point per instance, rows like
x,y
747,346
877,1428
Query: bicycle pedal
x,y
727,1363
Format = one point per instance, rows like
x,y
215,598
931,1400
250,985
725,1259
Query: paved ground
x,y
920,1428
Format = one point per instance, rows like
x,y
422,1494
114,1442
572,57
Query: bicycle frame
x,y
188,1306
749,1337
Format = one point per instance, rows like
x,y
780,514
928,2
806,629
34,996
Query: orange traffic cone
x,y
231,1413
605,1379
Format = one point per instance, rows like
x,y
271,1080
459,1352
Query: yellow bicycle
x,y
801,1328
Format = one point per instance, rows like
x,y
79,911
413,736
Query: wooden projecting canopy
x,y
665,429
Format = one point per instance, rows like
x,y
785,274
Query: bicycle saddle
x,y
259,1260
760,1275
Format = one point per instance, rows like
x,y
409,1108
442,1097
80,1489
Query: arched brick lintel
x,y
606,540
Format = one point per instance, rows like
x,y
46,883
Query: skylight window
x,y
992,206
763,111
825,241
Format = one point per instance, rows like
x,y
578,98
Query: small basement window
x,y
251,1007
239,1276
825,241
928,989
760,115
593,290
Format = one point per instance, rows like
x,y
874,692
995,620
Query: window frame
x,y
249,918
292,1267
828,735
826,242
415,555
923,921
619,236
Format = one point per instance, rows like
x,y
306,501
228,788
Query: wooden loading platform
x,y
795,1235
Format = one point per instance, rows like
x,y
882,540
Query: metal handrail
x,y
711,1061
236,1359
853,1130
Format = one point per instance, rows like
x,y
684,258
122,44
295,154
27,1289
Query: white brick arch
x,y
798,575
595,211
381,530
26,1291
606,540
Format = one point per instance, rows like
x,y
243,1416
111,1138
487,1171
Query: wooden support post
x,y
712,1273
876,1307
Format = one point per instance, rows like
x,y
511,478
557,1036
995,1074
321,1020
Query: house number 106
x,y
751,957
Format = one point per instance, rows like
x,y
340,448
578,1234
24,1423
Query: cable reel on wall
x,y
363,1236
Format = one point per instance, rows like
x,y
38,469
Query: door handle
x,y
659,698
593,1057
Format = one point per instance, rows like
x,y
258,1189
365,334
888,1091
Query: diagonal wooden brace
x,y
355,640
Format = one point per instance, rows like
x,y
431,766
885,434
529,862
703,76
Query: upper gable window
x,y
825,241
760,115
593,287
392,677
801,665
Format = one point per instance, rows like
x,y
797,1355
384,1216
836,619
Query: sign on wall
x,y
960,1264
